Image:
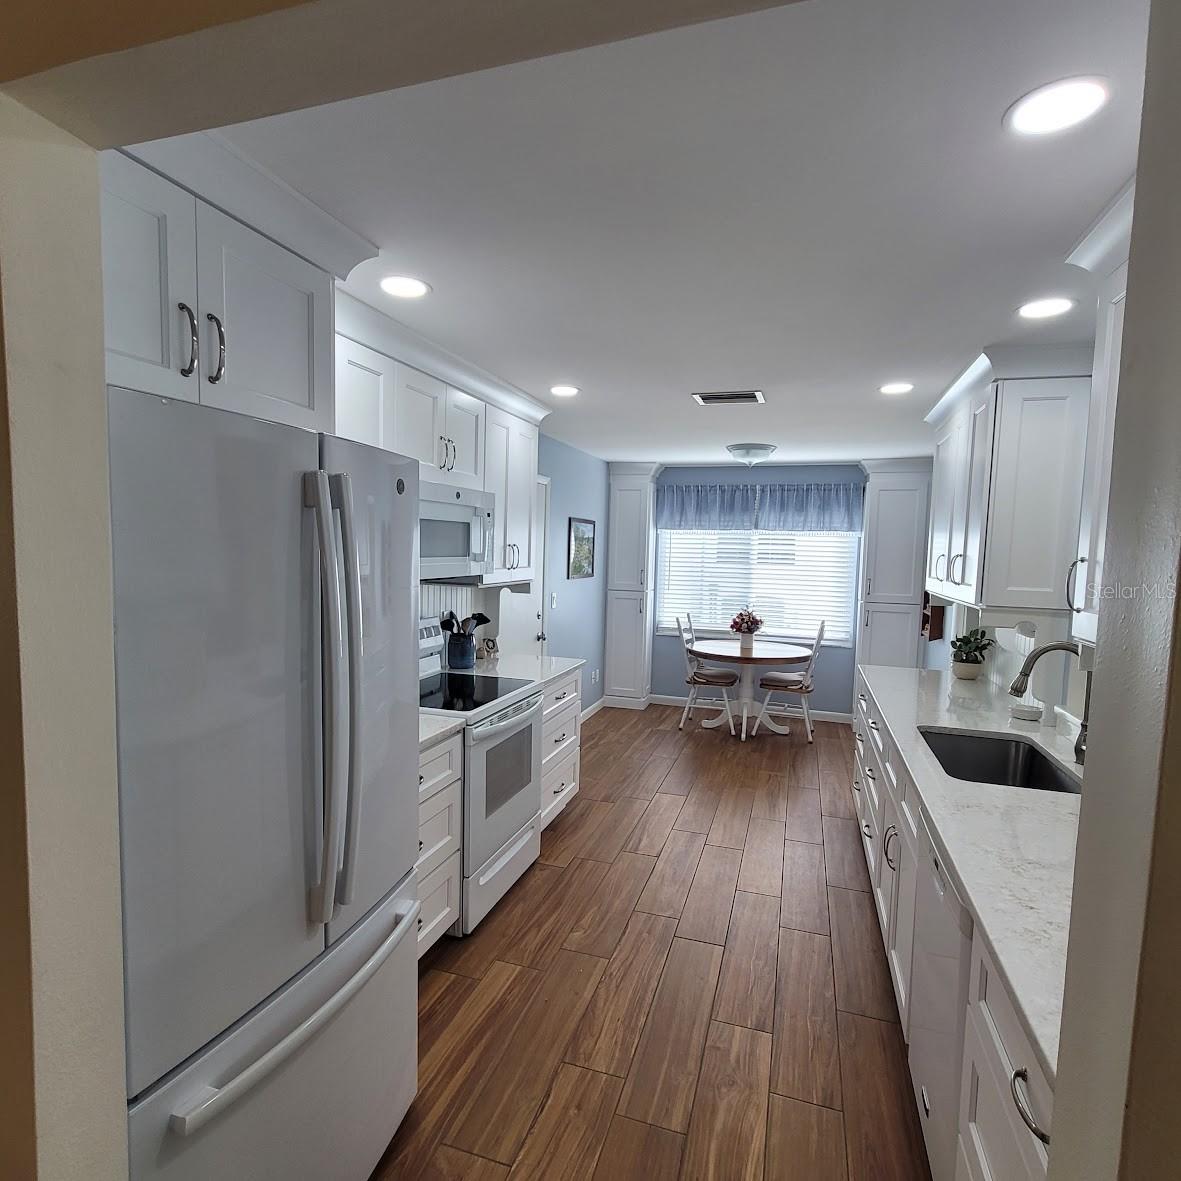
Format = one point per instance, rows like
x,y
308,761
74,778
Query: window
x,y
792,580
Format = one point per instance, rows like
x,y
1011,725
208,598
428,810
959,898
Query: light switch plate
x,y
553,600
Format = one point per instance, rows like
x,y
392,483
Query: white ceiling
x,y
812,201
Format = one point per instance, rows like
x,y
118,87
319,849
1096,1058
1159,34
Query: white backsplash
x,y
437,598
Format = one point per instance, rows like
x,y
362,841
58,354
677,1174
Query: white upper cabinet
x,y
149,247
895,532
365,396
628,533
1088,570
1006,494
510,474
420,419
464,435
254,333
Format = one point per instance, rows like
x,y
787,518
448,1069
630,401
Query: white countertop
x,y
1010,850
434,728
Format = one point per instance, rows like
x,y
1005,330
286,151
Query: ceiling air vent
x,y
728,397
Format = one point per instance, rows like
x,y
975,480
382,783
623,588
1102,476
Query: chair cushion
x,y
785,683
713,676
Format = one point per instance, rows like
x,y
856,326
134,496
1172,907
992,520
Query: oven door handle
x,y
482,731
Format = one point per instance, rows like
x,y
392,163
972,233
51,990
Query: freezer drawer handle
x,y
212,1101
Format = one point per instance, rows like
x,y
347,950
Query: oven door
x,y
502,780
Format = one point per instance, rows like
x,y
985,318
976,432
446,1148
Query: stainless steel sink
x,y
1013,762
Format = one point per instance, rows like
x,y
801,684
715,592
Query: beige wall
x,y
1116,1050
56,671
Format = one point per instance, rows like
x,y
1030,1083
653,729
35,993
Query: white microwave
x,y
454,532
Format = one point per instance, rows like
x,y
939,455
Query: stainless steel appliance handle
x,y
211,1101
1022,1075
318,496
1070,583
509,720
341,486
220,372
187,371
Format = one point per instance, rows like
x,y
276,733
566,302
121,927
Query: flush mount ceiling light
x,y
1045,309
897,387
563,391
751,453
1057,106
404,286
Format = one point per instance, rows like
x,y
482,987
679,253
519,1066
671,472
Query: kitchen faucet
x,y
1021,683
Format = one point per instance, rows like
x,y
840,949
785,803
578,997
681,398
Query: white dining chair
x,y
792,684
698,674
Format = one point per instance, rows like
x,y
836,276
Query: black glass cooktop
x,y
463,692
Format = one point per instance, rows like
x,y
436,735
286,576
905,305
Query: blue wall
x,y
835,666
579,487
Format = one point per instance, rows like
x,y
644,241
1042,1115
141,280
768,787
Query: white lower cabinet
x,y
561,736
890,634
900,850
439,892
440,838
629,644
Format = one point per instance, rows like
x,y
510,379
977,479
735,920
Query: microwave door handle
x,y
318,497
342,500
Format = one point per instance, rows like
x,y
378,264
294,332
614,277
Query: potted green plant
x,y
967,653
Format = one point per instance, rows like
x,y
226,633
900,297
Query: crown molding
x,y
1107,242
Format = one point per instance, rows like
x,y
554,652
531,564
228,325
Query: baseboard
x,y
626,702
818,715
591,710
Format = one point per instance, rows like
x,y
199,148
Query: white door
x,y
626,622
149,248
969,559
890,634
265,319
895,520
943,480
1033,516
217,686
420,419
627,535
1088,573
523,608
364,402
465,437
521,496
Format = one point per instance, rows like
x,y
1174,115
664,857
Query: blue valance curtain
x,y
804,508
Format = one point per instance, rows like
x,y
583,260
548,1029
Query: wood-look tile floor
x,y
690,983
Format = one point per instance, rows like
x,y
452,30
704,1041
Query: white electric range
x,y
501,770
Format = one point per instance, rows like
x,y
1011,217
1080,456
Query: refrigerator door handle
x,y
318,497
342,499
209,1102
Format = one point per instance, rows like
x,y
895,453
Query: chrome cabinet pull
x,y
443,465
938,576
951,570
561,738
420,780
454,454
1070,583
857,785
873,725
560,788
220,371
1022,1076
865,829
892,831
562,696
187,371
869,774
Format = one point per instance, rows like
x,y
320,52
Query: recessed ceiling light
x,y
563,391
1045,309
1057,106
897,387
404,286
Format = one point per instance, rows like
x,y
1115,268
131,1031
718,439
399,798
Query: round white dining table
x,y
763,654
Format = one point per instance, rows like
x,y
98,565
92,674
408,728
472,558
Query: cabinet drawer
x,y
871,843
561,692
559,784
560,735
439,894
439,765
1003,1034
867,769
440,827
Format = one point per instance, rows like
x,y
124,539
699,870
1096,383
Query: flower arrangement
x,y
746,622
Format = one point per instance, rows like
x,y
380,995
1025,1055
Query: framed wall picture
x,y
580,549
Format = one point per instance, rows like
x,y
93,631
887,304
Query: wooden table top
x,y
764,652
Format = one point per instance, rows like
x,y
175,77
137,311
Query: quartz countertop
x,y
1010,850
434,728
528,666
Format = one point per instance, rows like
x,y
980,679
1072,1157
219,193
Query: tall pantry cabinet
x,y
631,599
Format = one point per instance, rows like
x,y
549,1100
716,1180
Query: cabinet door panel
x,y
149,255
1036,490
465,429
420,415
626,623
896,513
890,634
276,313
497,425
968,557
627,536
902,923
521,496
942,495
364,402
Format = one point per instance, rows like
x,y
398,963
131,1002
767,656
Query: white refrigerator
x,y
267,697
